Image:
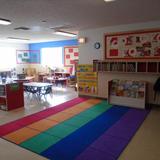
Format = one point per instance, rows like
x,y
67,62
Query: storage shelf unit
x,y
11,96
128,66
127,93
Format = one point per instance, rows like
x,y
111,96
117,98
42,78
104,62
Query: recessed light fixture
x,y
4,21
62,33
109,0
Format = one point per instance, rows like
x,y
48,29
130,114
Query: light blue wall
x,y
39,46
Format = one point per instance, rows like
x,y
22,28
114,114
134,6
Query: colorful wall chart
x,y
87,79
137,44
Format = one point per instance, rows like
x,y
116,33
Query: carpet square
x,y
110,144
40,142
93,154
77,121
42,125
21,135
60,117
61,130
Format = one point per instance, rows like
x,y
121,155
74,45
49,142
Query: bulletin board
x,y
133,45
71,54
27,56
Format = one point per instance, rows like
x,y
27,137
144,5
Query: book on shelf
x,y
128,88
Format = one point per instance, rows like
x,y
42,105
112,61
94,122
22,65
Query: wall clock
x,y
97,45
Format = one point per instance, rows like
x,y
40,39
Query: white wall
x,y
17,46
87,53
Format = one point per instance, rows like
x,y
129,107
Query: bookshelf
x,y
127,66
127,93
11,96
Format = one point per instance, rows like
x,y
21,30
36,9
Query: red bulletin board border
x,y
138,47
69,47
30,52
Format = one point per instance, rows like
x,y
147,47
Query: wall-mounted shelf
x,y
128,66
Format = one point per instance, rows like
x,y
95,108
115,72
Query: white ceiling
x,y
71,16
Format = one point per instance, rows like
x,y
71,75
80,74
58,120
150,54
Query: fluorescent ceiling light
x,y
109,0
4,21
65,34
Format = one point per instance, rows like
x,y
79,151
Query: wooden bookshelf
x,y
128,66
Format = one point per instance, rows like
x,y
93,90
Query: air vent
x,y
22,28
16,38
61,27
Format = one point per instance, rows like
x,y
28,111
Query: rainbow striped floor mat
x,y
81,129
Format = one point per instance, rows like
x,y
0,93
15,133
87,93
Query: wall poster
x,y
87,79
70,55
27,56
133,45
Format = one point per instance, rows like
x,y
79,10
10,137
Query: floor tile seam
x,y
45,131
20,125
19,129
90,105
10,140
129,138
89,125
34,114
90,118
73,115
72,112
96,149
61,138
59,124
49,127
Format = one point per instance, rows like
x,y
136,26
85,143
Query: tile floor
x,y
145,145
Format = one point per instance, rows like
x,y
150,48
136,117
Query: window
x,y
51,57
7,58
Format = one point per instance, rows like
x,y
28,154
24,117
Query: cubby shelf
x,y
11,96
128,66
